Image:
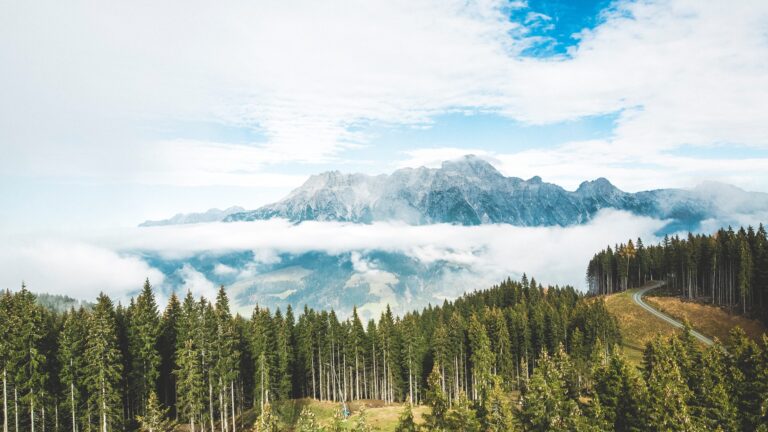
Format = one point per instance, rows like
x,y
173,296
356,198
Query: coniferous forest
x,y
517,356
729,268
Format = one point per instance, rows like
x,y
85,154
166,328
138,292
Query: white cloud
x,y
554,254
73,268
104,77
224,270
196,282
631,170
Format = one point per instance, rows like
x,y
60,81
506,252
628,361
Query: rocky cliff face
x,y
470,191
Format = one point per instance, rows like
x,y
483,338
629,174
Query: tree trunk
x,y
103,407
5,400
32,411
232,394
72,400
222,411
16,407
210,402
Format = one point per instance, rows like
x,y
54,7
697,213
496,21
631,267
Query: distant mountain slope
x,y
60,303
470,191
212,215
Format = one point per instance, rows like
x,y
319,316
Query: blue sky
x,y
117,112
128,115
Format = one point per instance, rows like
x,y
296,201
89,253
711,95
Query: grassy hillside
x,y
709,320
380,416
639,326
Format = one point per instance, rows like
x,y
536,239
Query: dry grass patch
x,y
709,320
637,325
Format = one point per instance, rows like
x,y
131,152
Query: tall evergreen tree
x,y
667,394
143,334
104,365
436,400
72,341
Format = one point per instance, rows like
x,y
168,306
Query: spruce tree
x,y
437,402
743,364
545,401
668,394
497,409
72,340
169,331
713,408
189,378
144,333
483,358
8,327
156,418
462,417
266,422
104,365
361,422
406,422
621,392
307,422
226,359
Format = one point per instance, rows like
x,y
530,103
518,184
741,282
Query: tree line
x,y
111,367
728,268
678,387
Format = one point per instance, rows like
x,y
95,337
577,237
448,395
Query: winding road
x,y
637,297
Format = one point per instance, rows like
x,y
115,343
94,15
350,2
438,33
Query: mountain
x,y
212,215
370,280
470,191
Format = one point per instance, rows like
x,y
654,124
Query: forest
x,y
102,367
517,356
728,268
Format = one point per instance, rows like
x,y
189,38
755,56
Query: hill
x,y
379,415
639,326
710,320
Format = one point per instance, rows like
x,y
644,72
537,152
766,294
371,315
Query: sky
x,y
116,112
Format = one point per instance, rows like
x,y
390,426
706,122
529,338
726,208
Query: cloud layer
x,y
112,262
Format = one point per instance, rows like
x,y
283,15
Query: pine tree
x,y
72,340
545,402
462,417
668,394
156,419
483,358
190,393
266,422
144,333
226,359
621,392
169,333
437,402
307,422
497,410
713,407
406,423
8,327
742,367
103,365
30,377
189,378
361,422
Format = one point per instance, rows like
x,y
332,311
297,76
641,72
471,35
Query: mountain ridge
x,y
471,191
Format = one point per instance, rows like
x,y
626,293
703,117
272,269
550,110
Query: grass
x,y
637,325
707,319
379,415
